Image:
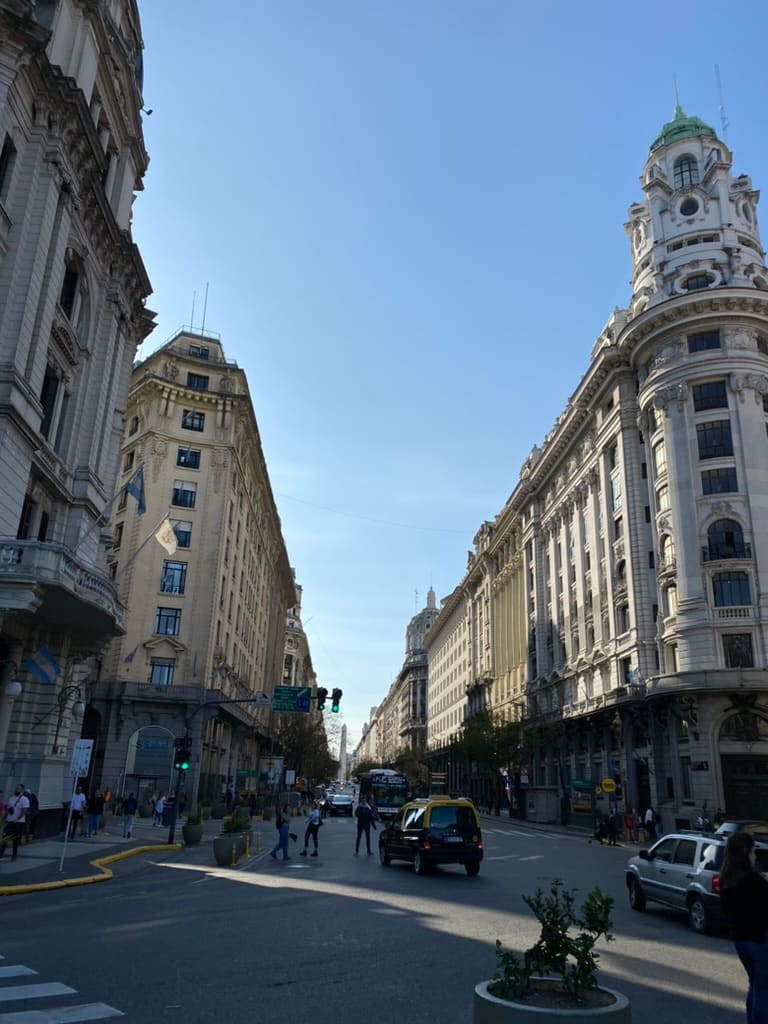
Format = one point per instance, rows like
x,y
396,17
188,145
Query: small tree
x,y
558,952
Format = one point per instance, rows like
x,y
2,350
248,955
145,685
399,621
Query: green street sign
x,y
291,699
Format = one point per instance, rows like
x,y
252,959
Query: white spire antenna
x,y
723,118
194,296
205,308
416,600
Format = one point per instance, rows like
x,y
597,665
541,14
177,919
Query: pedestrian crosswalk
x,y
15,990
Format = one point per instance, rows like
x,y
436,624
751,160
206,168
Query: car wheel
x,y
697,915
636,894
472,867
418,864
383,856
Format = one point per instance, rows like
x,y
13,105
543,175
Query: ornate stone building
x,y
72,313
634,547
208,605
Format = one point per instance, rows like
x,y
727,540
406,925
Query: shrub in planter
x,y
559,972
205,810
192,830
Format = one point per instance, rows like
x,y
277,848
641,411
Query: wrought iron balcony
x,y
721,552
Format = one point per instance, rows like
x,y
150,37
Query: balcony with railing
x,y
50,580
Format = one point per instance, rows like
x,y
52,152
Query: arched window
x,y
667,552
686,172
726,540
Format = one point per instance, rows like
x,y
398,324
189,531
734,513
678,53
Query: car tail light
x,y
716,884
427,844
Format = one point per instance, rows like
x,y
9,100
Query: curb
x,y
100,863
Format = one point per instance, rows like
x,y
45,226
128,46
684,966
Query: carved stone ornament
x,y
227,384
668,352
673,393
722,508
219,461
171,369
756,382
740,338
159,455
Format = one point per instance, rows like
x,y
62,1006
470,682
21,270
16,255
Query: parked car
x,y
340,804
681,870
436,830
758,829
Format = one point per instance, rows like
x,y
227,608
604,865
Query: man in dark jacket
x,y
364,816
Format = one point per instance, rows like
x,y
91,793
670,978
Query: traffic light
x,y
181,757
335,698
322,696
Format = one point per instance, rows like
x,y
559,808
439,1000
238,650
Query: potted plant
x,y
556,980
231,843
206,811
192,830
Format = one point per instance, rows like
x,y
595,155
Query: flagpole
x,y
104,513
141,546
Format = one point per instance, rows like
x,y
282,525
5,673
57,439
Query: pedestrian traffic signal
x,y
322,696
335,698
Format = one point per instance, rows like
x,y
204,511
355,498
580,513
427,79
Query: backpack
x,y
34,803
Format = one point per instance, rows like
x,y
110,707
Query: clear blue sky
x,y
410,219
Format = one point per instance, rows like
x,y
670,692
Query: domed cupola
x,y
681,127
696,229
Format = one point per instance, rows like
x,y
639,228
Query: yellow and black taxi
x,y
434,830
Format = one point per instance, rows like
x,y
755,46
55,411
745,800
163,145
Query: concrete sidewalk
x,y
37,864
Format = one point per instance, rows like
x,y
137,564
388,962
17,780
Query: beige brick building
x,y
206,618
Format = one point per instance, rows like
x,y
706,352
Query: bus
x,y
388,788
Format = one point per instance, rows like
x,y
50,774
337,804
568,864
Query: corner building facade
x,y
639,526
628,567
206,621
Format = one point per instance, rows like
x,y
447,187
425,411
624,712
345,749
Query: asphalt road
x,y
313,939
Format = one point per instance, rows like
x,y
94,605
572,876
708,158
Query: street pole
x,y
174,808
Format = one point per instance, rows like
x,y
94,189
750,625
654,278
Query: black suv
x,y
681,871
437,830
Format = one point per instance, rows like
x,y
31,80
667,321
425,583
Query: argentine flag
x,y
42,665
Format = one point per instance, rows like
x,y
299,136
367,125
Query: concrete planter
x,y
223,846
193,834
489,1009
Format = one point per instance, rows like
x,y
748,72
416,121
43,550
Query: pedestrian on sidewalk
x,y
744,901
612,826
601,828
95,811
15,820
282,822
78,809
650,824
364,816
158,810
313,827
34,807
130,806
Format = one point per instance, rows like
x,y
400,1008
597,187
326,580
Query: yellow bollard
x,y
247,844
257,842
234,854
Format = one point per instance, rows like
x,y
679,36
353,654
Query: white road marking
x,y
15,971
48,988
62,1014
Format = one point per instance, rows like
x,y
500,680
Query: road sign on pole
x,y
291,699
81,759
261,699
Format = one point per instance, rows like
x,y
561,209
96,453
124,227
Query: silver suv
x,y
681,871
